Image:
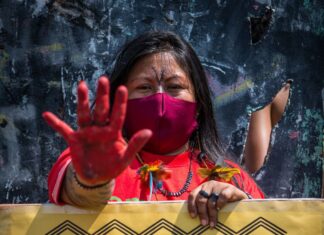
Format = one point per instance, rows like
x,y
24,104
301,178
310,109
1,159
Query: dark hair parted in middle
x,y
164,41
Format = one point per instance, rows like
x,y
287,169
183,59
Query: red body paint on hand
x,y
99,151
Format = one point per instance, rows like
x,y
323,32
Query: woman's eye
x,y
144,87
174,87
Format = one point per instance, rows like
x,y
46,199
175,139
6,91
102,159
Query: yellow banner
x,y
255,217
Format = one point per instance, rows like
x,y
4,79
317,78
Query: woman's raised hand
x,y
98,150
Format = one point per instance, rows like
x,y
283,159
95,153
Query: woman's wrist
x,y
86,185
76,193
248,195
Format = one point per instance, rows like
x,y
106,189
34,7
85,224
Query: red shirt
x,y
129,186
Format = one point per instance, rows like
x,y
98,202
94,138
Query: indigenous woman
x,y
151,136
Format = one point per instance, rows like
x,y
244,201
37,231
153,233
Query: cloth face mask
x,y
171,120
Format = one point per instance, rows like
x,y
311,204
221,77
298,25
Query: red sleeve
x,y
246,183
56,176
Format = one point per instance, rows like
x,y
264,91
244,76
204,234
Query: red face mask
x,y
171,120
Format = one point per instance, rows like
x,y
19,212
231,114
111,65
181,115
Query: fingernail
x,y
203,222
193,215
211,224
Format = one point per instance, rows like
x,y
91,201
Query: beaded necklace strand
x,y
159,184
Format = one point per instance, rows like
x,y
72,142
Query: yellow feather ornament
x,y
218,172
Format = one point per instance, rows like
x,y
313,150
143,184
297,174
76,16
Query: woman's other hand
x,y
208,198
98,150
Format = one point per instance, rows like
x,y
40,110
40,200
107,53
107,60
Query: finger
x,y
212,211
119,109
58,125
224,197
100,114
230,194
83,108
201,202
136,143
192,202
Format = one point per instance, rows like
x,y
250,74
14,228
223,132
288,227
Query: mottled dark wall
x,y
46,47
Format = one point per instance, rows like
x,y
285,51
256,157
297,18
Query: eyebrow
x,y
156,76
174,76
144,76
149,78
132,79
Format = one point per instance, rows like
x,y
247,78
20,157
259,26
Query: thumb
x,y
136,143
58,125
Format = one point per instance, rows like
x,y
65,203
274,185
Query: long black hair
x,y
164,41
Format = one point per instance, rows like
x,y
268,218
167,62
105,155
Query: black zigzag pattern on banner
x,y
165,224
220,227
67,225
115,224
261,222
248,229
224,229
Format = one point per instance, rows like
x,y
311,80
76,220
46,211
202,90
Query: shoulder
x,y
245,181
232,164
244,175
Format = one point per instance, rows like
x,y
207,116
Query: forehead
x,y
158,64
